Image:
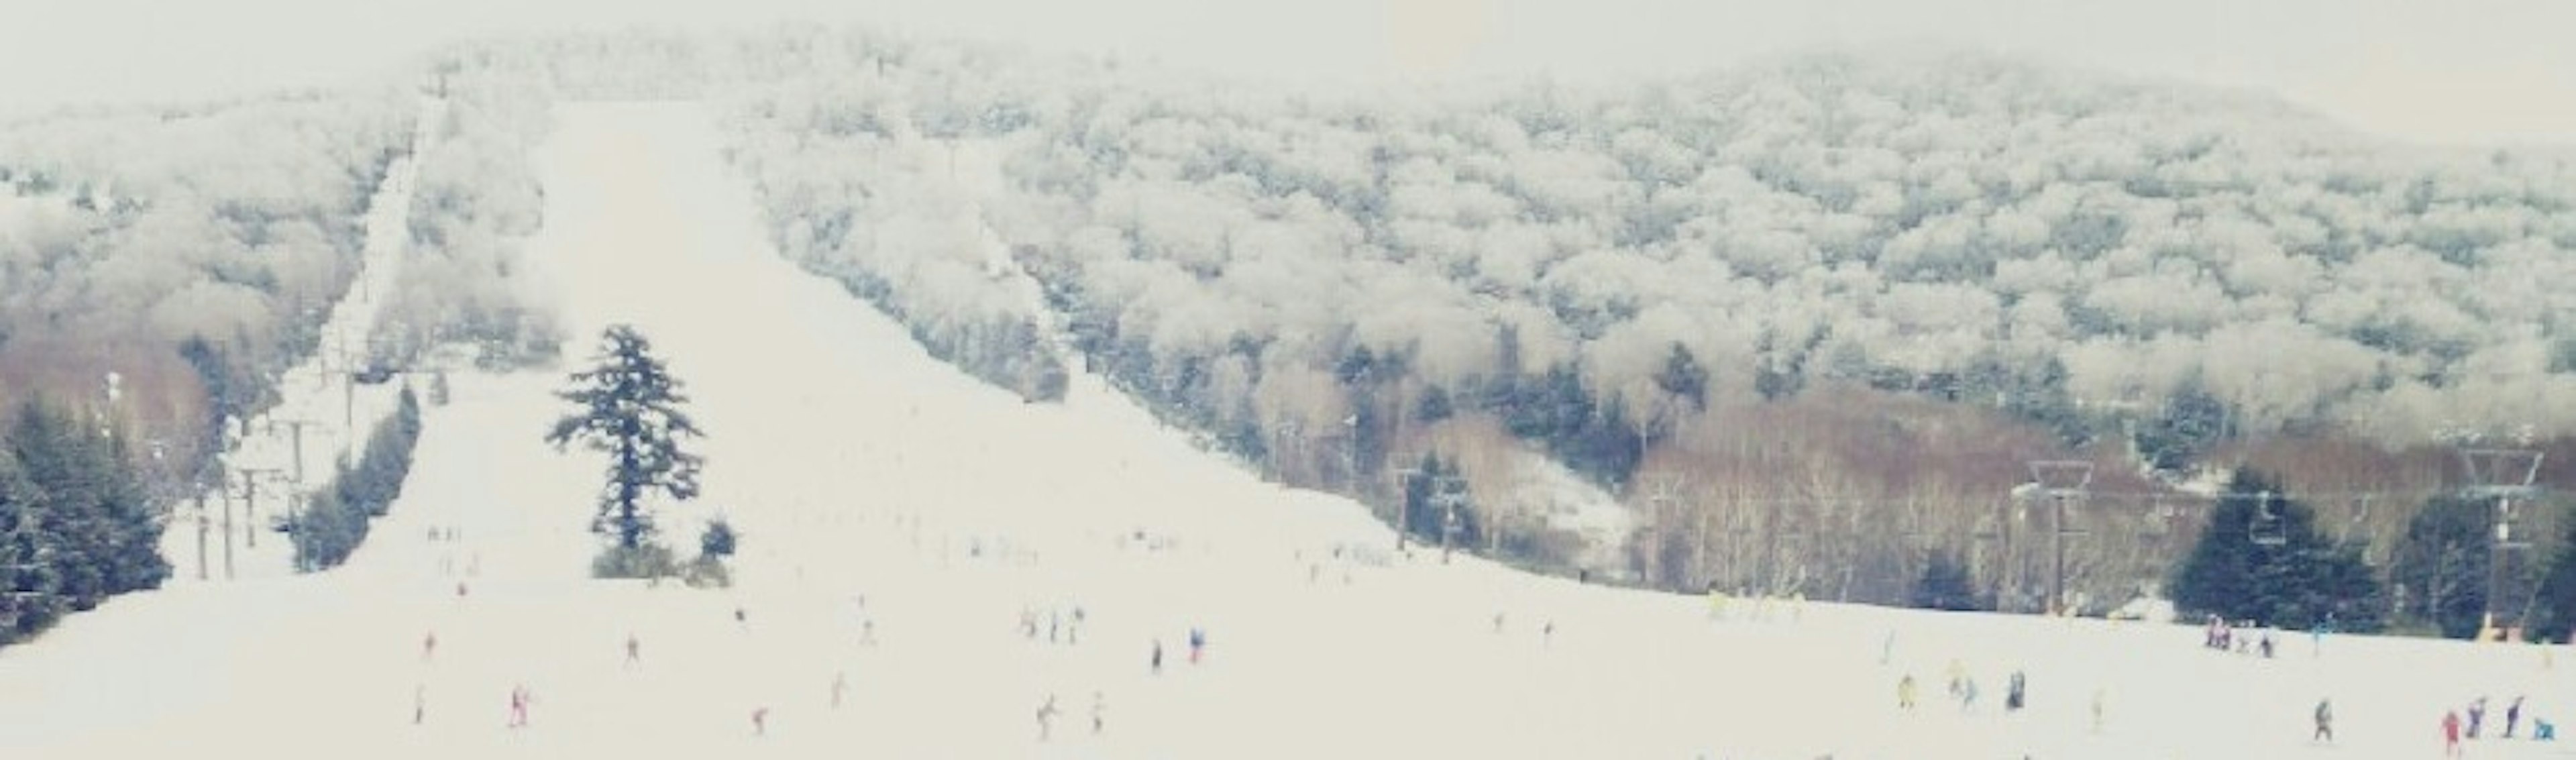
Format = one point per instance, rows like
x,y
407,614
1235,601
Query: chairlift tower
x,y
250,504
1448,491
1403,477
2503,475
296,428
2061,481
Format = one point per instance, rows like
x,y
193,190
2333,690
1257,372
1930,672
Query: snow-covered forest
x,y
1809,320
1811,295
188,250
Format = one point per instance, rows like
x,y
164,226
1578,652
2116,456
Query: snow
x,y
336,416
856,467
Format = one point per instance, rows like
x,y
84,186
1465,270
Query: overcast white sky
x,y
2459,71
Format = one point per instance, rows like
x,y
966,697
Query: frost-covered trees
x,y
474,202
2130,269
186,248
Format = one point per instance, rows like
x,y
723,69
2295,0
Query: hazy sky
x,y
2440,70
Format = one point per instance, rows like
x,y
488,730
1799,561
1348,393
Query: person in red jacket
x,y
2451,734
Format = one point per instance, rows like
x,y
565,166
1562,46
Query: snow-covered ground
x,y
876,489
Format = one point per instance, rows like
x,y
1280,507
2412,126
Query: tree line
x,y
335,519
78,520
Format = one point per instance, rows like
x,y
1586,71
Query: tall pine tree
x,y
2301,581
628,408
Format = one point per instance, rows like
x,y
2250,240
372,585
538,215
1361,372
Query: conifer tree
x,y
628,407
2299,581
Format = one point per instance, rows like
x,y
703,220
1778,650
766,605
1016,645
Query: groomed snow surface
x,y
878,490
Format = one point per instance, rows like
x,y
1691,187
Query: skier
x,y
428,645
1547,633
519,699
2013,693
868,632
634,650
1198,642
1099,708
840,685
1156,664
419,703
2477,716
1905,692
2100,696
1498,622
739,617
2325,721
1046,713
2266,645
760,721
1958,678
2451,733
2512,715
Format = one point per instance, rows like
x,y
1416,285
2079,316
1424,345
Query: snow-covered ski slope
x,y
879,491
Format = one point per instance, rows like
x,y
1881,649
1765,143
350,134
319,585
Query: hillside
x,y
877,486
1804,295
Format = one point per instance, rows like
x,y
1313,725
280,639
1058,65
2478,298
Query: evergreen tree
x,y
718,540
1946,585
30,596
1425,516
58,457
1684,378
336,519
96,531
2298,582
2554,613
2442,564
132,560
628,408
2193,421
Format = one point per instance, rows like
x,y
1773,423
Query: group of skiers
x,y
2224,635
1061,628
2454,729
1963,688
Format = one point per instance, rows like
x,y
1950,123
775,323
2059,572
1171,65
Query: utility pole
x,y
296,427
201,532
227,496
250,500
2061,481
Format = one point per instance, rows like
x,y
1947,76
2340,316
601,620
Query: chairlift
x,y
2267,529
